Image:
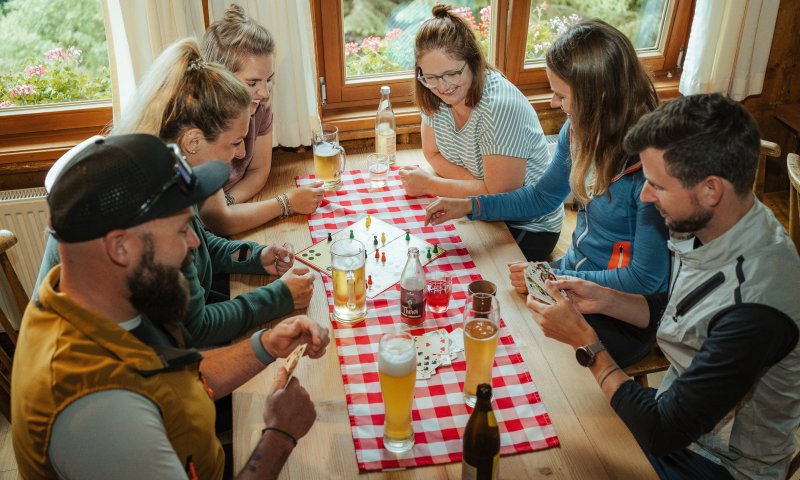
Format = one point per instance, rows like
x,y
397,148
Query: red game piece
x,y
377,254
383,257
369,280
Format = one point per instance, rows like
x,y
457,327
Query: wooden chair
x,y
793,165
655,361
8,240
768,149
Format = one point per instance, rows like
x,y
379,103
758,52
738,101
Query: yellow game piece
x,y
369,221
383,238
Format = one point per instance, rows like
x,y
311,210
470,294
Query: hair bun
x,y
441,10
234,13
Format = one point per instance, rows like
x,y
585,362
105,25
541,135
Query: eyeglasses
x,y
449,78
184,178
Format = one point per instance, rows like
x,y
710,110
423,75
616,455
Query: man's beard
x,y
699,219
158,291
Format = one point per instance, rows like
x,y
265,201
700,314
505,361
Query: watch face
x,y
583,357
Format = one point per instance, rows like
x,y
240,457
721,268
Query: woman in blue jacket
x,y
619,241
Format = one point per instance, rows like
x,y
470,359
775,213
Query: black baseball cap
x,y
123,181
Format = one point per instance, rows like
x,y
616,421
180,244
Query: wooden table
x,y
595,444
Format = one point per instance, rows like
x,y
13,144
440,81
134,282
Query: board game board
x,y
377,235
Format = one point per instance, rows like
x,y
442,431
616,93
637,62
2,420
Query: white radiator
x,y
25,213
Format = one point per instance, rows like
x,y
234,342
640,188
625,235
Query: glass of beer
x,y
349,282
329,157
481,328
397,370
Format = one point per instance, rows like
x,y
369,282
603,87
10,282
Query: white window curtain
x,y
729,47
137,31
295,97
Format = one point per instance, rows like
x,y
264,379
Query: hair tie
x,y
196,64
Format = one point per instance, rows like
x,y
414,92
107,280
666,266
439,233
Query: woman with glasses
x,y
619,241
205,111
479,133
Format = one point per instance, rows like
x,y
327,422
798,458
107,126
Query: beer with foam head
x,y
329,157
349,281
481,318
397,369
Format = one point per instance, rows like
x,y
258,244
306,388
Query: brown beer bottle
x,y
481,440
412,290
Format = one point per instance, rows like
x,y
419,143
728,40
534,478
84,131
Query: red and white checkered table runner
x,y
439,414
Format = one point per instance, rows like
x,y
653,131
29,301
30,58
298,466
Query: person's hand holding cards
x,y
536,274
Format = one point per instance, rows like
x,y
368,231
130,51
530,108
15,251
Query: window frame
x,y
534,80
350,105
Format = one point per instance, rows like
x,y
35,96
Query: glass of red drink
x,y
438,285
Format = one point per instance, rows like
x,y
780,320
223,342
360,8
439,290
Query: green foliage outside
x,y
52,51
640,20
379,34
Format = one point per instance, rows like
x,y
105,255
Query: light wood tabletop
x,y
595,444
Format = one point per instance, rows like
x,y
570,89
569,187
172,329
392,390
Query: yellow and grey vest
x,y
65,352
754,262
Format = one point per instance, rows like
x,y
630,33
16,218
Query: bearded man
x,y
104,386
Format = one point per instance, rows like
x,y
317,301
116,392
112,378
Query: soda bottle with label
x,y
385,127
412,290
481,440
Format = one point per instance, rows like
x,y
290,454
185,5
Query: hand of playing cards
x,y
535,275
291,362
435,349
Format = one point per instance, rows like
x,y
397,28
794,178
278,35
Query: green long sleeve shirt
x,y
215,323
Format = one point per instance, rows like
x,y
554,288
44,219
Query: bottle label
x,y
412,304
385,141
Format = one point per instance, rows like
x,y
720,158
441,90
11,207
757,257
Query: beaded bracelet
x,y
282,198
291,437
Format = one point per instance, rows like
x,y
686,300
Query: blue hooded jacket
x,y
619,242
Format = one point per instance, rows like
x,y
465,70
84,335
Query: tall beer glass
x,y
349,281
329,157
397,369
481,327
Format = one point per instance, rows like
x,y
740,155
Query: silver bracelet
x,y
229,199
283,200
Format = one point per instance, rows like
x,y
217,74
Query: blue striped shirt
x,y
503,123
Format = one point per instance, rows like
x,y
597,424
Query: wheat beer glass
x,y
481,327
329,157
397,370
349,286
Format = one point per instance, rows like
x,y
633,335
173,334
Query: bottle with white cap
x,y
385,127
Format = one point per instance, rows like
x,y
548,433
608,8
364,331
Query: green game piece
x,y
352,235
436,248
375,241
429,253
408,237
330,238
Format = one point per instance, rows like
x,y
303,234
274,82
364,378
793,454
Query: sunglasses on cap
x,y
184,178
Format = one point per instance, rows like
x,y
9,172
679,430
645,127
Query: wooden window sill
x,y
358,123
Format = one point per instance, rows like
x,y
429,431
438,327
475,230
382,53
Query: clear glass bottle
x,y
412,290
385,127
481,442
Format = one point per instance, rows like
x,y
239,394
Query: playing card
x,y
427,363
536,273
291,362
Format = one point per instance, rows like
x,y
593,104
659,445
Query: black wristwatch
x,y
587,354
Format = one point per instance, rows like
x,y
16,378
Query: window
x,y
53,51
362,44
54,80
